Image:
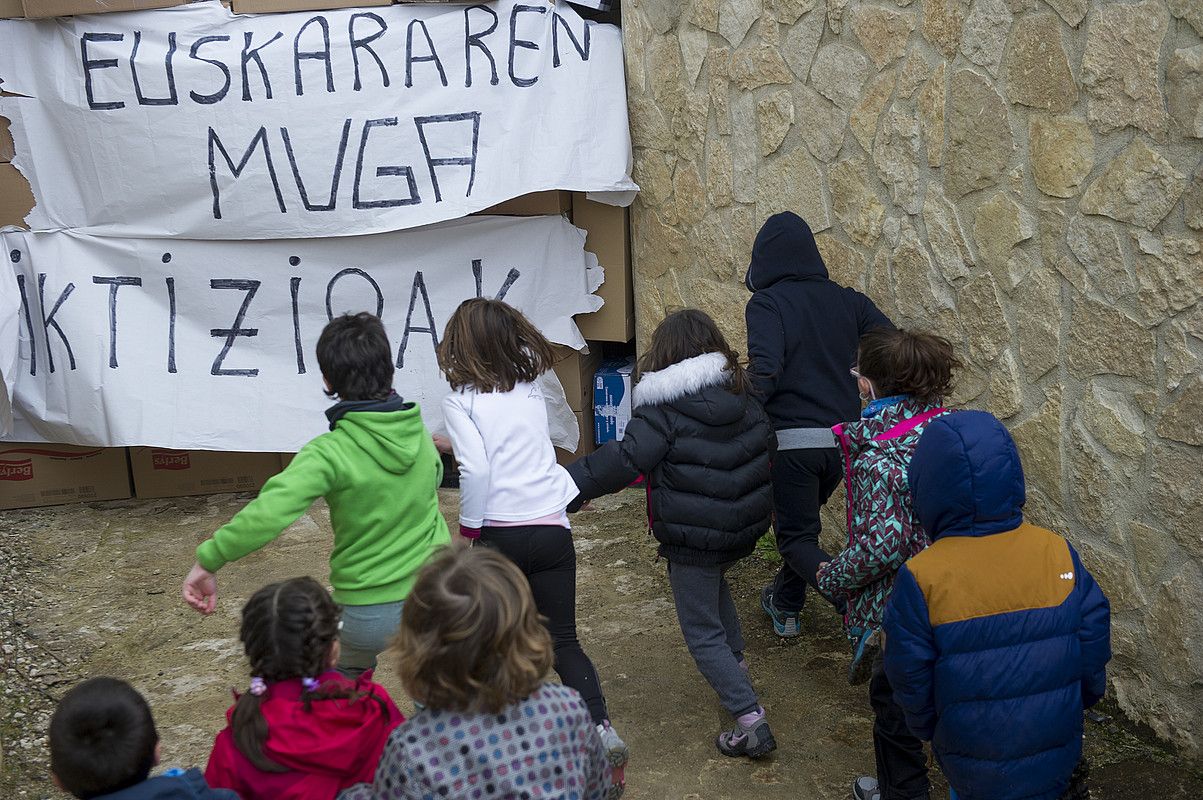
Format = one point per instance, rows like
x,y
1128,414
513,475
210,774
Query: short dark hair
x,y
102,738
908,362
355,356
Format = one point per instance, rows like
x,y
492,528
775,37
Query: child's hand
x,y
200,589
443,444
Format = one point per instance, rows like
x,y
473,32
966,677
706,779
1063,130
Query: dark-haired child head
x,y
102,739
356,358
905,362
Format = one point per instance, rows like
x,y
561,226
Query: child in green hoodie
x,y
379,472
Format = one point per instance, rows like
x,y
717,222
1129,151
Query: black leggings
x,y
546,556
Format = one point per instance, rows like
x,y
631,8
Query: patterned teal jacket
x,y
883,531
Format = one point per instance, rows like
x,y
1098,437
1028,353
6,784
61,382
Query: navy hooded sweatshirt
x,y
996,636
803,329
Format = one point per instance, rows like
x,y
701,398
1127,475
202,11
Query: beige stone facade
x,y
1022,176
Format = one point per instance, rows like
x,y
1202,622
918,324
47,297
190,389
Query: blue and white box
x,y
612,399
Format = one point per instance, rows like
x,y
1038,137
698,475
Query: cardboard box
x,y
67,8
7,146
16,198
585,420
612,400
608,230
11,9
575,371
159,472
277,6
533,205
53,474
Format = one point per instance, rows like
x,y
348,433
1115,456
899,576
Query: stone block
x,y
801,44
1121,66
1037,67
896,152
883,33
943,21
1039,441
1114,422
1006,388
1038,312
792,181
980,143
980,308
1062,153
759,65
1138,187
1182,420
821,124
985,33
1171,274
1184,90
998,226
846,265
1095,244
1104,340
735,18
866,113
854,201
931,115
839,72
945,236
774,117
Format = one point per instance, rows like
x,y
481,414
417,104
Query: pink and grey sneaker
x,y
617,753
751,737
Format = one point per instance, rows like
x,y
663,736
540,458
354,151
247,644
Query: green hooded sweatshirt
x,y
379,472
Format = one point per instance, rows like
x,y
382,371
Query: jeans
x,y
367,631
901,761
802,482
710,625
546,556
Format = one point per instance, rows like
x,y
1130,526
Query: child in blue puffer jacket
x,y
997,637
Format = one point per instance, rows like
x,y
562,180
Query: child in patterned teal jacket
x,y
904,375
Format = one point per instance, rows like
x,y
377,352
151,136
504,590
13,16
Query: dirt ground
x,y
94,589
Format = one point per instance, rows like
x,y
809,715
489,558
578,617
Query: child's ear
x,y
158,753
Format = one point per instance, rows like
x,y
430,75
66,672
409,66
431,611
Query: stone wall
x,y
1023,176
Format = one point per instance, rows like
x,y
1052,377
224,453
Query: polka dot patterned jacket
x,y
542,748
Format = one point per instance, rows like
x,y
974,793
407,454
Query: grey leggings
x,y
710,625
367,631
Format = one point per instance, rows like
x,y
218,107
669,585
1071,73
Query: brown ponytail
x,y
288,630
908,362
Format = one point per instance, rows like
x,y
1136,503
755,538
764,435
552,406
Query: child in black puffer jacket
x,y
704,446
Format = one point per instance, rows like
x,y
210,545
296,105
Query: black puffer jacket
x,y
705,452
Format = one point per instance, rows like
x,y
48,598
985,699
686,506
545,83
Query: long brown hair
x,y
471,639
910,362
288,631
686,334
490,346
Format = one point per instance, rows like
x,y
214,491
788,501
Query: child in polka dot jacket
x,y
473,652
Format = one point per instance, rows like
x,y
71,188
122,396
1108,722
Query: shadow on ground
x,y
94,589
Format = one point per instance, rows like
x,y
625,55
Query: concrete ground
x,y
94,589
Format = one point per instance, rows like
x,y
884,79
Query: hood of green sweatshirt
x,y
390,438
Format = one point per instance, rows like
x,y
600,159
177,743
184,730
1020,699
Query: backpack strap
x,y
908,425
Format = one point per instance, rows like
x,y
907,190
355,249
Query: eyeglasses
x,y
854,371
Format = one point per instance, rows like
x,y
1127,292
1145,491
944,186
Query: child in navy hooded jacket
x,y
997,637
803,330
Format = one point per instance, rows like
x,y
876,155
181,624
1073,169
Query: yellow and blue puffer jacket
x,y
997,637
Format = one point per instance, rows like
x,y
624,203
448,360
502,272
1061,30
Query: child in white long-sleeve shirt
x,y
513,494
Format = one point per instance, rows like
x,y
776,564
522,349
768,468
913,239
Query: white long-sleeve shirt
x,y
507,465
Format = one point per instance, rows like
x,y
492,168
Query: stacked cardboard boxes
x,y
160,472
575,371
53,474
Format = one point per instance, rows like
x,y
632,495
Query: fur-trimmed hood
x,y
681,379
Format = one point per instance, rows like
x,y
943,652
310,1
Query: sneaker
x,y
617,753
865,648
865,788
786,624
750,737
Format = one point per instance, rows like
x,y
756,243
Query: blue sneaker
x,y
787,624
866,644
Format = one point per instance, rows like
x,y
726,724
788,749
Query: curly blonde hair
x,y
470,637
